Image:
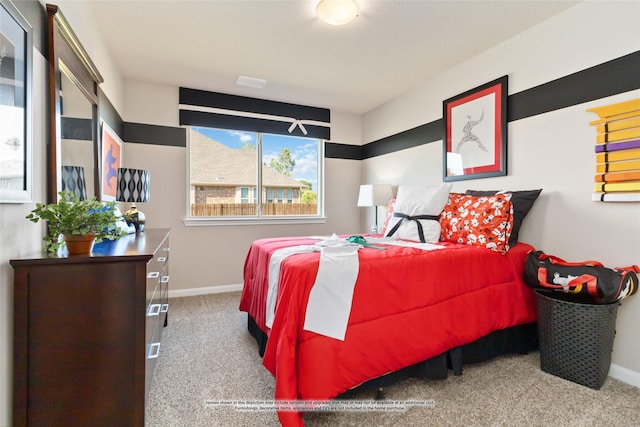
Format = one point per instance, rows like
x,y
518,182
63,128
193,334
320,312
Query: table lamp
x,y
133,186
73,181
374,195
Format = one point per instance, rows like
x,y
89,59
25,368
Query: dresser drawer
x,y
157,308
164,298
152,351
153,316
155,272
164,283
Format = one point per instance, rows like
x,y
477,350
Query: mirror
x,y
76,139
73,98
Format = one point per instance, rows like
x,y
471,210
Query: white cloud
x,y
242,136
306,165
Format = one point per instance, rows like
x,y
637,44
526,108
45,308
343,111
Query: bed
x,y
412,310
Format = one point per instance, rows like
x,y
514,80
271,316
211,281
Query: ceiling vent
x,y
250,82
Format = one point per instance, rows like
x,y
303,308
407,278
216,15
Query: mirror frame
x,y
66,54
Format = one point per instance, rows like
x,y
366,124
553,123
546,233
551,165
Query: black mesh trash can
x,y
576,339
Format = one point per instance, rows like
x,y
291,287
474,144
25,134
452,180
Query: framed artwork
x,y
15,106
475,132
111,161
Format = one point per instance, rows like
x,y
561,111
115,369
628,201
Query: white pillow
x,y
413,200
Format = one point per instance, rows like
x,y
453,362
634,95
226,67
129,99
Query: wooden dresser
x,y
87,332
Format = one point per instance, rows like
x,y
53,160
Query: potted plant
x,y
72,219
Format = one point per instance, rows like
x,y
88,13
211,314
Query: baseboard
x,y
625,375
204,291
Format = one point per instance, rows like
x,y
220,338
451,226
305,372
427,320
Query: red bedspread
x,y
409,305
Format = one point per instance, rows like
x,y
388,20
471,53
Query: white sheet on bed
x,y
276,260
329,304
274,275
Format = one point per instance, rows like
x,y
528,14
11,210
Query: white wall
x,y
80,16
20,237
553,151
203,258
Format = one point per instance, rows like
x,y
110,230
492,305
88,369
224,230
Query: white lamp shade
x,y
374,195
337,12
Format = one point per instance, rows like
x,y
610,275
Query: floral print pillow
x,y
478,220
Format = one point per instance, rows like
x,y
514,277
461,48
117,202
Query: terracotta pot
x,y
82,244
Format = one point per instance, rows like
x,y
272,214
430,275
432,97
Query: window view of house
x,y
225,180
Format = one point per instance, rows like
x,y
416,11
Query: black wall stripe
x,y
420,135
154,134
610,78
108,113
74,128
334,150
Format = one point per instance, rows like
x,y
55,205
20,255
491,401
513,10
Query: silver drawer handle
x,y
154,310
165,308
162,259
154,350
166,249
153,275
165,279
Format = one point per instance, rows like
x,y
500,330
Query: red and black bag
x,y
588,281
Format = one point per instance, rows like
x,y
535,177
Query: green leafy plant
x,y
74,217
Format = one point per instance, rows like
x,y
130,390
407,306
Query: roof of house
x,y
213,163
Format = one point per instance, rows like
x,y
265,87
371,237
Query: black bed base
x,y
517,339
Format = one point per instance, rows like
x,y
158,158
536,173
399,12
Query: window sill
x,y
209,221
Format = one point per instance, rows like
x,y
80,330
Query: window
x,y
247,195
251,174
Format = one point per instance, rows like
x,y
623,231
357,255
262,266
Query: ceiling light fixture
x,y
337,12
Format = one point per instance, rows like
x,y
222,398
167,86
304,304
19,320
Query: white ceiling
x,y
393,46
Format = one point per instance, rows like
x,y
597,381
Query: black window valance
x,y
220,110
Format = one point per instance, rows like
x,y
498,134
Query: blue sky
x,y
303,150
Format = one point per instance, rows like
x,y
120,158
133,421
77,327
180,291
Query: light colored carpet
x,y
207,357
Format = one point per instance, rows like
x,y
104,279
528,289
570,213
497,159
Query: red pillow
x,y
388,216
478,220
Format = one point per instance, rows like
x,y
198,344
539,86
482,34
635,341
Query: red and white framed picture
x,y
475,132
111,161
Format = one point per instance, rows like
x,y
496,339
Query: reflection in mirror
x,y
76,142
73,97
15,105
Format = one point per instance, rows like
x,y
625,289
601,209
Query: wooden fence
x,y
249,209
